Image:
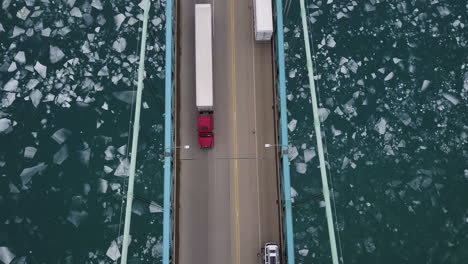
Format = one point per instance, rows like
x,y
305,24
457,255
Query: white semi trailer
x,y
204,74
263,20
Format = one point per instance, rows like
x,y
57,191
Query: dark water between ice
x,y
393,91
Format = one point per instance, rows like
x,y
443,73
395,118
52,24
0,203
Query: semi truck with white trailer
x,y
263,20
204,74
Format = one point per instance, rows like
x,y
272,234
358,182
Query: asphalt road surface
x,y
226,197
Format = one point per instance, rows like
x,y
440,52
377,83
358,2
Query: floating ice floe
x,y
17,31
104,71
7,99
381,126
61,155
156,22
20,57
309,154
118,20
109,153
292,73
5,124
155,208
304,252
55,54
292,153
452,99
11,86
76,12
46,32
13,188
97,4
301,167
27,174
32,83
2,29
294,194
12,67
23,13
123,169
425,84
113,251
389,76
396,60
119,45
323,114
369,245
443,11
122,149
6,256
41,69
61,135
36,97
84,156
102,186
77,217
292,125
331,42
125,96
30,152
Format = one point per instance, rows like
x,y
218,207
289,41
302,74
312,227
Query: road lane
x,y
227,196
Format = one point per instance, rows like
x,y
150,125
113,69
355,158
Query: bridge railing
x,y
286,181
168,134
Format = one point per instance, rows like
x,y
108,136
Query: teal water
x,y
393,91
68,76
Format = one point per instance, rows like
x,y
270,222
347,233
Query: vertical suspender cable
x,y
136,130
318,134
284,134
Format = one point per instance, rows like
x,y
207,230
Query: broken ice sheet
x,y
292,153
5,124
61,135
55,54
292,125
61,155
452,99
301,167
125,96
6,256
11,86
84,156
381,126
294,194
123,168
36,97
41,69
77,217
309,154
27,174
30,152
304,252
323,114
102,186
20,57
118,20
139,207
23,13
17,31
155,208
113,251
119,45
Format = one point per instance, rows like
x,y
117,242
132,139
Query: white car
x,y
271,254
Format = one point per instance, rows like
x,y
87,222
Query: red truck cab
x,y
205,130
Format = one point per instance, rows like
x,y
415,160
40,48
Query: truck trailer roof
x,y
203,57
